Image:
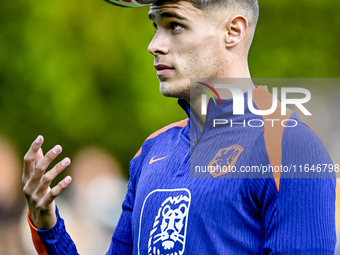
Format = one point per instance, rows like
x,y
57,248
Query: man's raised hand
x,y
40,197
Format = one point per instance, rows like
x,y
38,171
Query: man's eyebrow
x,y
167,14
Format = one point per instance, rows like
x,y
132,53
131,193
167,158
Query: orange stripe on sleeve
x,y
138,153
39,246
181,123
272,133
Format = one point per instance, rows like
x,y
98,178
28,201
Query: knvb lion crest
x,y
225,159
169,229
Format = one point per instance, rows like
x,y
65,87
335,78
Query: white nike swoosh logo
x,y
157,159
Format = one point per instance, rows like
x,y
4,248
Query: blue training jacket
x,y
183,199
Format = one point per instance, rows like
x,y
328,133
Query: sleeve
x,y
52,241
303,217
57,241
122,241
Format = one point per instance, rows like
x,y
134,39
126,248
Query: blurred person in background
x,y
11,202
98,182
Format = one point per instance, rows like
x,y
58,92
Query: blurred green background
x,y
79,73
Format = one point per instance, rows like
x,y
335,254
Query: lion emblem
x,y
169,228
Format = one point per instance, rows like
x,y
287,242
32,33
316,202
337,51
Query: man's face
x,y
188,44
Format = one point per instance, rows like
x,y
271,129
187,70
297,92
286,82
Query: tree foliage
x,y
78,72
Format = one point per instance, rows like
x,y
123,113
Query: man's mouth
x,y
163,69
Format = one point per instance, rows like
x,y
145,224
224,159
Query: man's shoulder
x,y
176,126
301,145
299,132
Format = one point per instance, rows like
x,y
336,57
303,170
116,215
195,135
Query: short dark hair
x,y
249,8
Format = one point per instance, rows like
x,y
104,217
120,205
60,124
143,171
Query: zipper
x,y
193,146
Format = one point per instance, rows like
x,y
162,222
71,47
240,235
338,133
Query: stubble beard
x,y
176,89
210,66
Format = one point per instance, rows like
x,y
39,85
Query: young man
x,y
166,211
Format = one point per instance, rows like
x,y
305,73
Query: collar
x,y
224,111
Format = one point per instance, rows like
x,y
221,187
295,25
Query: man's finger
x,y
41,166
56,191
50,175
39,156
29,158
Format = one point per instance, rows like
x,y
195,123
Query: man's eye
x,y
175,26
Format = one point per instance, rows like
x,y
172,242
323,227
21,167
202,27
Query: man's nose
x,y
159,44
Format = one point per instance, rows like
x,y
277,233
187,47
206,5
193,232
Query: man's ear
x,y
235,30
